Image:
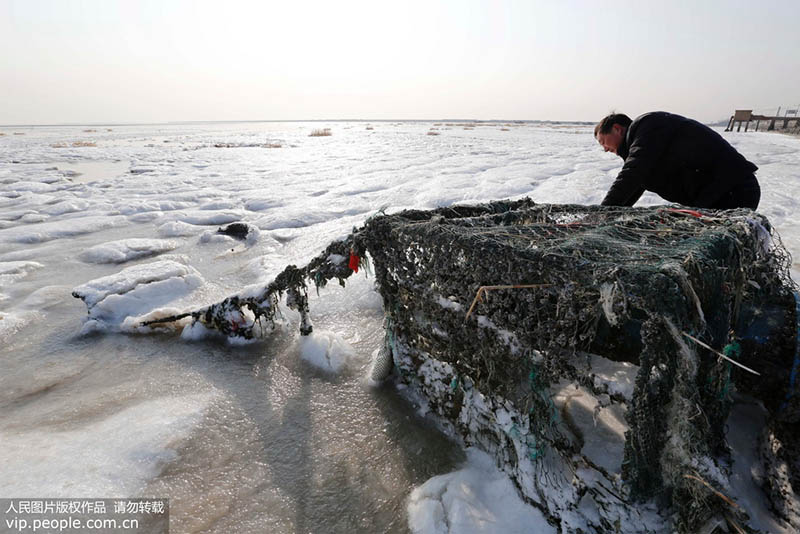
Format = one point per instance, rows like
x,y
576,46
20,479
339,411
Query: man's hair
x,y
608,122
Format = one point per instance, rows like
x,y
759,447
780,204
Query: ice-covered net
x,y
600,280
489,307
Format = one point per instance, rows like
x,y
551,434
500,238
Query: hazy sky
x,y
71,61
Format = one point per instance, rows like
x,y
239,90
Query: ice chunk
x,y
178,229
126,250
13,321
211,236
134,292
208,218
45,297
299,218
196,331
477,499
126,280
262,204
11,271
325,350
137,207
34,218
67,206
41,232
147,216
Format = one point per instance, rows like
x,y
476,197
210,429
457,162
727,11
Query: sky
x,y
106,61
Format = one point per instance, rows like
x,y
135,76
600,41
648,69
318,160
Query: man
x,y
677,158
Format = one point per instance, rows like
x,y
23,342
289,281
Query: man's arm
x,y
625,191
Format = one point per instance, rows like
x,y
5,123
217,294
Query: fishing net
x,y
491,309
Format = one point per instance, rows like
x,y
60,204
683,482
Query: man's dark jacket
x,y
679,159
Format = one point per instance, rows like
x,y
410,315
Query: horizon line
x,y
234,121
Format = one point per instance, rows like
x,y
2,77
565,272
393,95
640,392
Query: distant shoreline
x,y
174,123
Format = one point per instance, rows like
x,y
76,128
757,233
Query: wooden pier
x,y
746,115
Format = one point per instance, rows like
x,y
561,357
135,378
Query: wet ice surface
x,y
285,435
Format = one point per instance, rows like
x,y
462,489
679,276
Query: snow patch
x,y
617,377
449,303
743,433
507,337
336,259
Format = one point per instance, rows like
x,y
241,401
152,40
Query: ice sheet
x,y
136,443
302,196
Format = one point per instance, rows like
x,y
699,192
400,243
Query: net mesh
x,y
489,307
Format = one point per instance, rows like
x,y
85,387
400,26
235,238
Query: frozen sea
x,y
286,434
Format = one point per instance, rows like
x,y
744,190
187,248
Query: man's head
x,y
610,131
